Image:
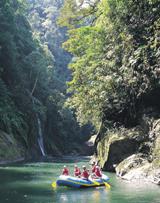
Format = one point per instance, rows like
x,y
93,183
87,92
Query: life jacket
x,y
98,172
77,172
65,172
93,169
85,174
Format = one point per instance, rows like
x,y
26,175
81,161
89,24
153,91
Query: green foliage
x,y
42,16
115,62
11,120
31,61
77,13
84,69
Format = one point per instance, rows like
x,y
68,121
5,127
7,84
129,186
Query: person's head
x,y
64,166
84,167
75,166
93,163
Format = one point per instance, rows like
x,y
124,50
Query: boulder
x,y
132,168
133,153
117,146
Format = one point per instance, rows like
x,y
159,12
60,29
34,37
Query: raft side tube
x,y
75,182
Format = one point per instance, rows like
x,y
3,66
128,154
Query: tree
x,y
115,60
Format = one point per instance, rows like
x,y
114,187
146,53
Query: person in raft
x,y
65,171
85,173
98,173
77,171
93,167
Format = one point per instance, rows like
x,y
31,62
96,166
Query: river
x,y
31,183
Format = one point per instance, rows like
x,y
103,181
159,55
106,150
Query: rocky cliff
x,y
10,149
133,153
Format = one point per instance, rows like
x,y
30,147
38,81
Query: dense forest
x,y
42,16
115,70
33,71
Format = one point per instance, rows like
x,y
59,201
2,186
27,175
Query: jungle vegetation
x,y
33,73
116,58
113,51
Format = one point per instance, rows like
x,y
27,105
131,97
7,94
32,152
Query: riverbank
x,y
133,153
6,162
13,150
61,158
138,169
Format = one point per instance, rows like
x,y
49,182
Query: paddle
x,y
105,178
95,182
54,185
107,184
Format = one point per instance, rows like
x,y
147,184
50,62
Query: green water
x,y
31,183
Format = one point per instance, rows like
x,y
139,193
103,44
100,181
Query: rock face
x,y
119,150
134,167
115,146
134,154
10,149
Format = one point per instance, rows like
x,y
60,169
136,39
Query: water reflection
x,y
89,195
96,196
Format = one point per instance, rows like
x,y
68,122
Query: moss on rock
x,y
156,153
117,145
10,149
135,153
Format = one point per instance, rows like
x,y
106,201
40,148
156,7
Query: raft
x,y
75,182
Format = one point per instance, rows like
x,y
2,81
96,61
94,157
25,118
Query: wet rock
x,y
155,176
118,151
133,153
132,167
117,146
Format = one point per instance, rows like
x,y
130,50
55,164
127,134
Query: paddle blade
x,y
54,185
107,185
95,182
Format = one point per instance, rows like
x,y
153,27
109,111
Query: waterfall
x,y
40,141
40,137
